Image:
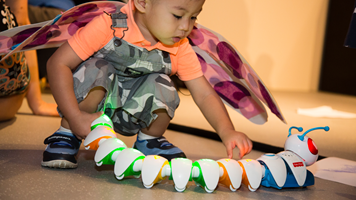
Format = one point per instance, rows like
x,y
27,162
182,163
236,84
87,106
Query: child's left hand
x,y
232,139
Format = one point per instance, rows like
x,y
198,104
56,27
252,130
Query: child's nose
x,y
184,26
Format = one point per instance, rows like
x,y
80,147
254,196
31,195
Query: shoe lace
x,y
164,142
54,144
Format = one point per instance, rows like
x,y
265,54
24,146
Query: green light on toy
x,y
107,159
107,118
200,179
130,172
104,120
101,124
170,166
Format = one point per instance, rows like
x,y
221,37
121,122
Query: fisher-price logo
x,y
298,164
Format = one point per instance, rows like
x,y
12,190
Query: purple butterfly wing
x,y
231,76
226,70
54,32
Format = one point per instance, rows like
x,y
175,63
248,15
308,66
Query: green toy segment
x,y
107,159
129,171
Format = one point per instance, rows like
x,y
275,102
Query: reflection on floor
x,y
21,147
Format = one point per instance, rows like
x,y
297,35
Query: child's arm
x,y
34,98
60,76
215,112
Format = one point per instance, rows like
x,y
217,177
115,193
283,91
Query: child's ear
x,y
140,5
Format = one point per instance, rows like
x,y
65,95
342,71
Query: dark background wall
x,y
338,70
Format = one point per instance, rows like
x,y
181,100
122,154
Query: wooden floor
x,y
21,147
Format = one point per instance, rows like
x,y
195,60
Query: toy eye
x,y
312,147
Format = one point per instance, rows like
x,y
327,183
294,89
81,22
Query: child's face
x,y
169,21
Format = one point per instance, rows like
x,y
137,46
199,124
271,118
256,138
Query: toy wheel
x,y
120,177
208,190
99,164
251,189
232,188
148,186
179,189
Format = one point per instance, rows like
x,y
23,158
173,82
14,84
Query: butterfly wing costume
x,y
227,71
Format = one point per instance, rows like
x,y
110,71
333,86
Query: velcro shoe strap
x,y
57,137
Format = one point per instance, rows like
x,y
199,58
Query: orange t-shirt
x,y
97,33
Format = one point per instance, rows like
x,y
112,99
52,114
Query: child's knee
x,y
92,100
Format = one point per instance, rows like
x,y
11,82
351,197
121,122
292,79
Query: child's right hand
x,y
232,139
80,125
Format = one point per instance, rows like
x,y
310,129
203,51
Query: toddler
x,y
128,58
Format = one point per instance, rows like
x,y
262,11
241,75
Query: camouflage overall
x,y
136,80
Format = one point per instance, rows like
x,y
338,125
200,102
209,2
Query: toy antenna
x,y
300,129
301,137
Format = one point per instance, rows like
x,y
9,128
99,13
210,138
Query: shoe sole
x,y
62,164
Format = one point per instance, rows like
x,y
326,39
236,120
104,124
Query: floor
x,y
21,147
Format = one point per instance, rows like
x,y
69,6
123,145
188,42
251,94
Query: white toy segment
x,y
294,144
103,120
270,169
277,167
252,173
209,172
151,170
106,147
98,135
297,166
124,160
302,145
181,170
231,173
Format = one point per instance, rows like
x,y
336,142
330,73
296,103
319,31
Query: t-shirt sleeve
x,y
92,37
188,65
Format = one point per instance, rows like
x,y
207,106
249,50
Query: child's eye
x,y
177,17
194,18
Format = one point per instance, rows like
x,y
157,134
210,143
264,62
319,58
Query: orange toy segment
x,y
225,179
95,144
244,175
159,176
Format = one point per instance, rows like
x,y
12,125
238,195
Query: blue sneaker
x,y
159,146
61,151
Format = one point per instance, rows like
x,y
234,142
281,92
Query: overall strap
x,y
119,20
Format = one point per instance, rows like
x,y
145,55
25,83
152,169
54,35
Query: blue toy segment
x,y
300,129
301,137
268,180
310,180
291,182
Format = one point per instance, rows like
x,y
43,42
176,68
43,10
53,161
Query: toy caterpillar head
x,y
302,145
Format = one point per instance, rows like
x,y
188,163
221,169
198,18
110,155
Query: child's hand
x,y
232,139
80,125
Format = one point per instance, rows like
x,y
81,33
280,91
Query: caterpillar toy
x,y
282,170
